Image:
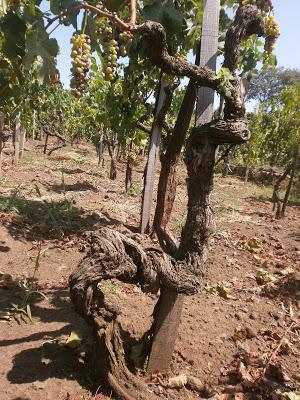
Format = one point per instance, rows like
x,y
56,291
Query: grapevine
x,y
80,62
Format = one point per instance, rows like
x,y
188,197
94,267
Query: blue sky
x,y
287,13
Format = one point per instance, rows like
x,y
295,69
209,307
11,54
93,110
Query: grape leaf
x,y
164,13
13,29
38,44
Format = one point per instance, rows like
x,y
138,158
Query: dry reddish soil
x,y
56,202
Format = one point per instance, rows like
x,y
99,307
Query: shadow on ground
x,y
51,358
38,219
48,356
76,187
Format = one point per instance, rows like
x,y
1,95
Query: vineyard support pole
x,y
17,140
22,142
33,125
1,137
152,162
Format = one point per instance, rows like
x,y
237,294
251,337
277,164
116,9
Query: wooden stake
x,y
166,331
17,140
33,124
1,137
22,142
208,57
152,162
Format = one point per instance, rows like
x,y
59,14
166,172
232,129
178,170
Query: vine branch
x,y
100,12
133,12
248,21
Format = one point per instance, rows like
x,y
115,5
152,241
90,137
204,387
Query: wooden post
x,y
152,162
22,142
1,137
101,150
171,303
166,330
17,140
33,125
208,57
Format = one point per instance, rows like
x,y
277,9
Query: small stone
x,y
195,384
253,316
182,353
251,332
276,316
239,316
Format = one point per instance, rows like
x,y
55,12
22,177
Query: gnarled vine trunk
x,y
291,168
114,255
168,179
112,150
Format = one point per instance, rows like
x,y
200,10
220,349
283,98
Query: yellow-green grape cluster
x,y
110,51
114,46
125,38
81,51
272,34
264,5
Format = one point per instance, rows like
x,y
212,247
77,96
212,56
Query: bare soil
x,y
56,202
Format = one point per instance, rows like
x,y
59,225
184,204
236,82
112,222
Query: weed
x,y
59,216
178,224
28,289
133,191
9,204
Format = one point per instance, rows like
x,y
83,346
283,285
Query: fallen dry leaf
x,y
178,381
253,245
263,277
74,340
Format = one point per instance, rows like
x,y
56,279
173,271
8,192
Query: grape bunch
x,y
81,50
113,45
272,34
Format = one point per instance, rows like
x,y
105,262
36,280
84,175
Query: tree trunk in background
x,y
17,140
198,194
128,174
151,163
290,184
